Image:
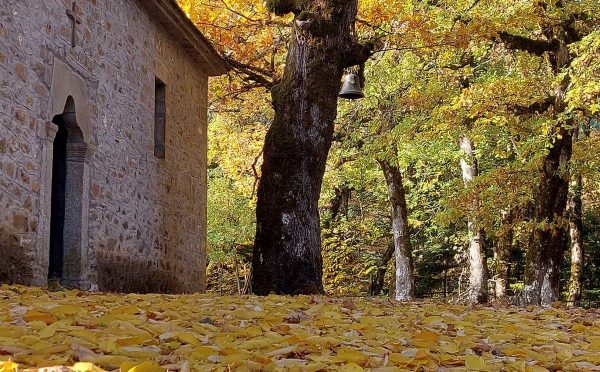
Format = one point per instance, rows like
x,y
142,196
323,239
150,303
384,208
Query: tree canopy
x,y
514,78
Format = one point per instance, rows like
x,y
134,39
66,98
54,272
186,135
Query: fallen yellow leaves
x,y
152,333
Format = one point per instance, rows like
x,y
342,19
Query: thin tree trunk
x,y
478,270
503,253
221,279
339,204
287,251
379,280
237,276
576,240
404,261
575,210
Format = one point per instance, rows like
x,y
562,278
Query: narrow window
x,y
160,110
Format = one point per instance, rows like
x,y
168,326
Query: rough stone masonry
x,y
85,198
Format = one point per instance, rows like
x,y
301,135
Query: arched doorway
x,y
68,232
57,213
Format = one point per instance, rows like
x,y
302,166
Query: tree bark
x,y
576,240
287,251
340,202
545,251
503,253
478,270
379,280
403,248
575,211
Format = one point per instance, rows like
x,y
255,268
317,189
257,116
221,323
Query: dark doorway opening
x,y
57,216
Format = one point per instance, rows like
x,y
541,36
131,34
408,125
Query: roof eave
x,y
174,20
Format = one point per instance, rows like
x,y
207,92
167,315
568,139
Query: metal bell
x,y
351,88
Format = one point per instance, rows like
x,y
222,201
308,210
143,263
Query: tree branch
x,y
282,7
258,75
536,107
361,54
537,47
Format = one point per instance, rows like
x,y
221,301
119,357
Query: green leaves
x,y
584,73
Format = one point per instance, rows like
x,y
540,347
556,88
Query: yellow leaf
x,y
128,341
426,336
535,369
126,366
48,331
108,346
85,335
147,367
189,338
475,363
125,310
203,352
352,357
8,366
351,367
11,332
450,348
42,346
67,310
86,367
36,325
432,319
33,315
399,359
578,327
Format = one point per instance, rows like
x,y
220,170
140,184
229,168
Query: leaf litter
x,y
91,332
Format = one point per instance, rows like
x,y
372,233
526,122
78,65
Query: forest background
x,y
460,112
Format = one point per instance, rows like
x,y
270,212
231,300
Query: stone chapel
x,y
103,125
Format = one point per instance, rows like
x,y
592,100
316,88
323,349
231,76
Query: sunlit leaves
x,y
152,333
585,75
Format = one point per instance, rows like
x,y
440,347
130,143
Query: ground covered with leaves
x,y
143,333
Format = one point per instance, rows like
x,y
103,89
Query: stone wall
x,y
146,224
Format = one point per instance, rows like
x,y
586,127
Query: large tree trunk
x,y
545,251
544,255
503,252
404,261
478,270
287,251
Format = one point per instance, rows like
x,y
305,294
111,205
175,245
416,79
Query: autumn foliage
x,y
494,72
147,333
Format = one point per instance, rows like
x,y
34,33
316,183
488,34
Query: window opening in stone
x,y
57,214
160,110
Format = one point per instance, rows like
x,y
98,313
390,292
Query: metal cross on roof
x,y
75,20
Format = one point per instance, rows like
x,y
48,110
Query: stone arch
x,y
68,85
67,204
69,100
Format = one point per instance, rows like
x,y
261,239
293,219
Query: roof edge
x,y
176,22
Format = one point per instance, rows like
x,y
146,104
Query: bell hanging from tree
x,y
352,88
